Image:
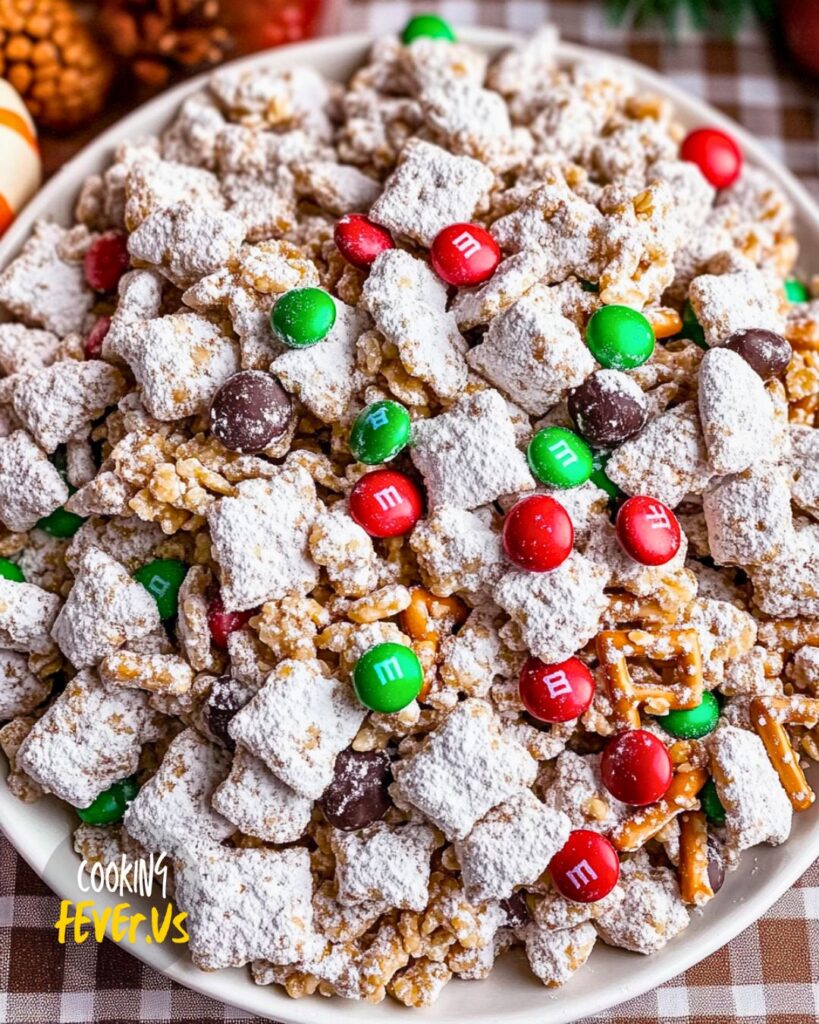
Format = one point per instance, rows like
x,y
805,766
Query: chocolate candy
x,y
249,411
221,623
380,432
359,240
636,768
162,578
385,503
388,677
110,806
716,869
556,693
226,697
538,534
516,909
795,291
95,337
61,523
692,723
358,795
11,571
692,328
559,458
715,153
106,261
608,408
587,868
766,352
464,255
427,26
619,337
303,317
648,530
711,803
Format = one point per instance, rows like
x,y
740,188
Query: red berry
x,y
386,503
222,623
636,767
556,693
359,240
715,153
96,336
106,261
538,534
587,868
648,530
464,254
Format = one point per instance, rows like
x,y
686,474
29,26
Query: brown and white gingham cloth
x,y
767,975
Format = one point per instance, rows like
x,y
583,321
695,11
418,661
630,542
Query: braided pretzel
x,y
695,885
681,647
769,715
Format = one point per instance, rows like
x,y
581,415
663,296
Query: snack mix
x,y
410,494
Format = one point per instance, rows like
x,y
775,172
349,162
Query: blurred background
x,y
81,64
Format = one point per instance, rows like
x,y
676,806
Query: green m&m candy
x,y
162,579
61,523
692,328
711,803
380,432
598,474
110,806
303,317
10,571
619,337
427,26
795,291
559,458
387,677
694,722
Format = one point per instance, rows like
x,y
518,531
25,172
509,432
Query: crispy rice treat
x,y
173,811
371,823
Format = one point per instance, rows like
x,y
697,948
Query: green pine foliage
x,y
723,16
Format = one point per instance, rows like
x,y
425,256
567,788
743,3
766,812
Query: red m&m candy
x,y
715,153
106,261
386,503
222,623
587,868
636,767
538,534
648,530
95,338
556,693
464,254
359,240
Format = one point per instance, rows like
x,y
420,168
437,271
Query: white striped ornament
x,y
20,167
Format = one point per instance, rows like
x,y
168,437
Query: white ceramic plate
x,y
41,831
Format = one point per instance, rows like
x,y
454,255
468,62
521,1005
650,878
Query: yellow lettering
x,y
64,920
160,932
177,923
118,926
80,919
132,927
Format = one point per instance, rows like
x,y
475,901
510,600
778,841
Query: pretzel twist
x,y
678,646
634,832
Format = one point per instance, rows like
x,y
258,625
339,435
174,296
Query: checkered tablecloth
x,y
767,975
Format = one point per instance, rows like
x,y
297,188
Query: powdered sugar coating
x,y
104,609
554,956
297,702
510,846
30,487
172,812
20,690
27,614
113,724
384,864
259,803
477,423
463,770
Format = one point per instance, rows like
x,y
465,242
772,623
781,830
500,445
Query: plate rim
x,y
660,967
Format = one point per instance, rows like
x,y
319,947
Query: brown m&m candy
x,y
249,411
766,352
357,796
226,697
608,408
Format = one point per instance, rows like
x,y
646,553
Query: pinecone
x,y
161,38
52,60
